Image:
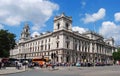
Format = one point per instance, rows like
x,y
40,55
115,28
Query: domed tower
x,y
25,34
62,22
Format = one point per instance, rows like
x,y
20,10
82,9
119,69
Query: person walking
x,y
16,64
19,65
3,65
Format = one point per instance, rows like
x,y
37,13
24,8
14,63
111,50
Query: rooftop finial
x,y
63,14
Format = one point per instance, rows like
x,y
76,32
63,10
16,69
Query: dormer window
x,y
58,25
67,37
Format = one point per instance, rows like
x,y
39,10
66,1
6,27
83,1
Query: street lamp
x,y
53,56
25,61
25,56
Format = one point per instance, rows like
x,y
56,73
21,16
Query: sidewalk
x,y
11,70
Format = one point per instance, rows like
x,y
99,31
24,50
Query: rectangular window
x,y
42,42
57,44
45,47
38,48
49,47
75,46
67,44
46,41
57,37
49,39
79,47
41,47
67,37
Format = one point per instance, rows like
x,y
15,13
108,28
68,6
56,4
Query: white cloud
x,y
79,29
83,3
110,29
12,12
13,20
117,16
1,26
95,16
37,27
35,34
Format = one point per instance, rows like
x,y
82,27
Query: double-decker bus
x,y
40,61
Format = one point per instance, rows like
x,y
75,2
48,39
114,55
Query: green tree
x,y
7,42
116,55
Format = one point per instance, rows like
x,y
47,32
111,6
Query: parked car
x,y
78,64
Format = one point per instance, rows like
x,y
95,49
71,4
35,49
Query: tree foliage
x,y
7,42
116,55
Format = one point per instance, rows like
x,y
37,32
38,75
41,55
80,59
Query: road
x,y
73,71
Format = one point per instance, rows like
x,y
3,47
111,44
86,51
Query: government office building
x,y
65,44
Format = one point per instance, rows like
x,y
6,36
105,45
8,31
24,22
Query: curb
x,y
53,69
14,72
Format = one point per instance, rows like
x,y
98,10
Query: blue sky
x,y
101,16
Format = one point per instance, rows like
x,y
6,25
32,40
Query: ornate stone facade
x,y
67,45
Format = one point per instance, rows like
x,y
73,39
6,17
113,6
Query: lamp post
x,y
53,56
25,60
94,59
25,56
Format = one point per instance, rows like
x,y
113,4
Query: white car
x,y
78,64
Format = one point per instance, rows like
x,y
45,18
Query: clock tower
x,y
25,34
62,22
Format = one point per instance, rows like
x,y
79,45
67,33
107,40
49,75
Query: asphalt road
x,y
73,71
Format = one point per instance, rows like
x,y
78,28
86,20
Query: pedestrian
x,y
30,65
53,66
16,64
3,65
19,65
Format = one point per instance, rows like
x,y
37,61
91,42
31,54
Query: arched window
x,y
58,25
57,45
67,26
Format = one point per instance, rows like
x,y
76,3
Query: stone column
x,y
59,58
64,58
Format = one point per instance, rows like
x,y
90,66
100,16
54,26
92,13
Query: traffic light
x,y
53,55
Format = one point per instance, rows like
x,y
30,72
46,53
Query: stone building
x,y
65,44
